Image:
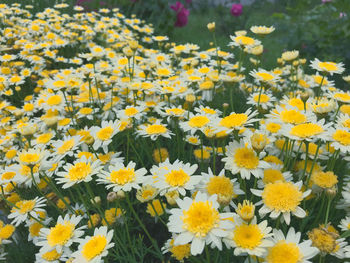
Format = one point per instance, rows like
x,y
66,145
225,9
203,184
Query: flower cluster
x,y
128,148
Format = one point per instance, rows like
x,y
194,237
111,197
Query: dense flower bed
x,y
118,146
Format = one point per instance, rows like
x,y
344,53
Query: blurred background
x,y
317,28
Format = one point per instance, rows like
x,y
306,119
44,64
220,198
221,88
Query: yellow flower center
x,y
181,251
28,107
284,252
34,229
85,111
175,111
222,186
246,158
8,175
342,137
29,157
273,127
292,116
11,154
198,121
60,234
44,138
24,206
342,96
51,255
131,112
243,40
323,240
79,171
328,66
324,179
248,236
306,130
6,231
54,100
156,129
94,247
272,175
200,218
122,176
66,146
265,76
263,98
246,210
234,120
105,134
282,196
177,178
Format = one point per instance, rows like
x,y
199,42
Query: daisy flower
x,y
81,170
121,177
178,176
264,76
135,112
66,146
310,131
193,139
262,30
199,222
154,130
282,198
345,224
292,115
252,239
265,100
225,188
289,248
195,123
93,248
243,160
62,235
32,156
340,139
179,252
103,135
243,41
327,67
24,209
235,121
274,174
52,256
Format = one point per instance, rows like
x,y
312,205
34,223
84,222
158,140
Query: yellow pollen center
x,y
246,158
282,196
248,236
198,121
272,175
156,129
79,171
131,112
54,100
292,116
328,66
66,146
94,247
342,137
29,157
263,98
60,234
284,252
200,218
306,130
24,206
51,255
220,185
234,120
265,76
177,178
123,176
105,134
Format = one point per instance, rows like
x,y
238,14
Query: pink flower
x,y
181,14
236,9
326,1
